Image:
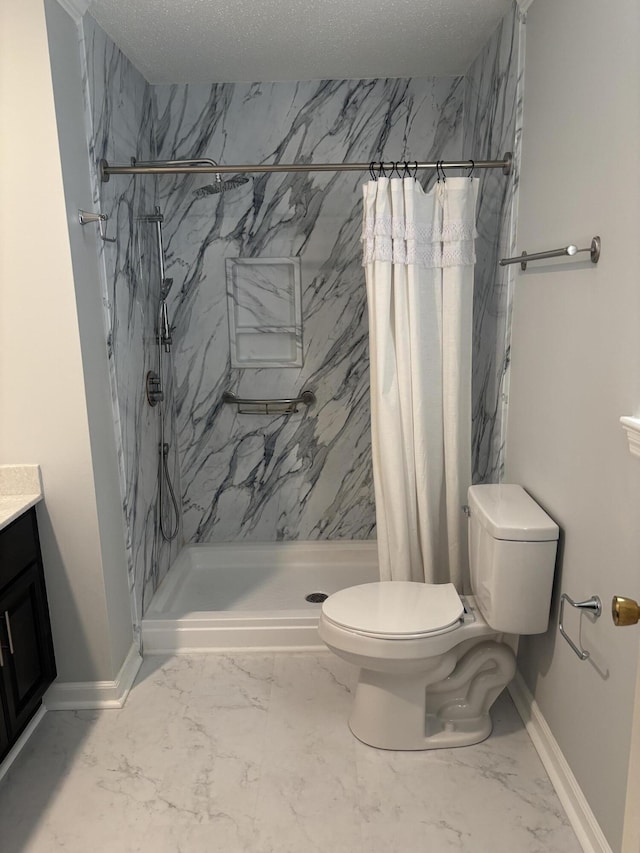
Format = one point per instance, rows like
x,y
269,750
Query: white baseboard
x,y
20,744
80,695
565,783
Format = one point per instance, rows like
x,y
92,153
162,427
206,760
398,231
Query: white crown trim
x,y
75,8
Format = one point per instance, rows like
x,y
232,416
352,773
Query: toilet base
x,y
444,705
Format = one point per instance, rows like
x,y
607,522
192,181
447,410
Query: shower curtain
x,y
419,253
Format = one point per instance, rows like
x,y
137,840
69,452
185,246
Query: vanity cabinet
x,y
4,736
27,663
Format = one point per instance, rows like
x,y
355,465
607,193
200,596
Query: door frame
x,y
631,832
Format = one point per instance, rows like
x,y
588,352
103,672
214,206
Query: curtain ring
x,y
405,172
395,169
372,170
444,177
381,170
472,169
415,169
438,169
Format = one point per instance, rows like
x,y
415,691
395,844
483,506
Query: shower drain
x,y
316,597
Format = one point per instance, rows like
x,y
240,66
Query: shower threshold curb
x,y
220,632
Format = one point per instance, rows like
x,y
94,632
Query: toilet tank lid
x,y
508,512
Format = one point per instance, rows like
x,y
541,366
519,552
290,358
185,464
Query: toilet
x,y
433,662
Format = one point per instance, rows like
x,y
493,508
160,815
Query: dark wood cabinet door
x,y
4,732
25,634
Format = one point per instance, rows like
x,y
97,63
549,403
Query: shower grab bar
x,y
593,605
280,406
524,258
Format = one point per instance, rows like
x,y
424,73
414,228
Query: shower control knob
x,y
154,388
625,611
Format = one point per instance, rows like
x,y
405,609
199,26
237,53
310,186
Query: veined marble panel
x,y
492,125
308,475
120,117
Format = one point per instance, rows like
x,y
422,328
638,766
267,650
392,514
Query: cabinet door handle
x,y
8,621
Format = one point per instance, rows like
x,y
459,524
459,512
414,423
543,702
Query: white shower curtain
x,y
419,253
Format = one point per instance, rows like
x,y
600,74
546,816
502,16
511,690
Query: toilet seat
x,y
395,610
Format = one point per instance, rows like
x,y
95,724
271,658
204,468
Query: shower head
x,y
234,182
221,186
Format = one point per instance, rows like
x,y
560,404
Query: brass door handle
x,y
625,611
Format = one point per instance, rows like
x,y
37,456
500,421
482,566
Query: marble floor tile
x,y
251,753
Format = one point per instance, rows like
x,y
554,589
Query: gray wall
x,y
576,370
48,413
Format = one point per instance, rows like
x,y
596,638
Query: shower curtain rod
x,y
197,167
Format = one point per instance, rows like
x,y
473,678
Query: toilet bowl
x,y
433,662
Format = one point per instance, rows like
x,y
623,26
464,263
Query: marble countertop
x,y
20,489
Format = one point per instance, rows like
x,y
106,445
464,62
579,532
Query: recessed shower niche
x,y
265,312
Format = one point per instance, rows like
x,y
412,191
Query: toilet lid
x,y
400,609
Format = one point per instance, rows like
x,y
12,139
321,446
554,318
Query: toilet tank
x,y
512,554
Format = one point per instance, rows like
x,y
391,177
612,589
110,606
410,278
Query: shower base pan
x,y
236,596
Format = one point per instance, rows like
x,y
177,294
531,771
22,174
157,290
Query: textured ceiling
x,y
209,41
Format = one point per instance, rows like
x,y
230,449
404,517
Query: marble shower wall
x,y
492,125
306,476
120,122
258,477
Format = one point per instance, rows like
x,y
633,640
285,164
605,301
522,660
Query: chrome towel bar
x,y
281,406
524,258
592,605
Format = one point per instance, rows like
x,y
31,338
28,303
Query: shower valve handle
x,y
154,388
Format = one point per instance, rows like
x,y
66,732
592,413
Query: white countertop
x,y
20,489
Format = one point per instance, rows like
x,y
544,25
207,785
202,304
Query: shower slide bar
x,y
206,166
282,406
524,258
